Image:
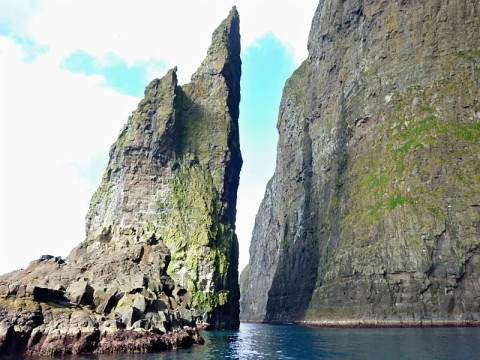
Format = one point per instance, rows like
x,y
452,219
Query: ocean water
x,y
257,341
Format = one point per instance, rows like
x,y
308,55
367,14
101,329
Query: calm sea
x,y
255,341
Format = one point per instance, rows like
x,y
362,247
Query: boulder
x,y
167,285
141,324
184,316
158,305
132,283
43,294
15,290
80,292
112,325
140,302
182,296
45,257
124,300
105,300
173,303
130,315
5,328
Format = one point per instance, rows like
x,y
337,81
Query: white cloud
x,y
248,202
51,120
54,121
17,14
176,31
288,20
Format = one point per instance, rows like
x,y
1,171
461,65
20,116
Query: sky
x,y
72,71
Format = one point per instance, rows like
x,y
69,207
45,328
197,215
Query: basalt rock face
x,y
373,213
173,177
161,255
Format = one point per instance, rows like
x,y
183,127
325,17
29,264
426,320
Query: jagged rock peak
x,y
225,47
161,254
156,85
176,160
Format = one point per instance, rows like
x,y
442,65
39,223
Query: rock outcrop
x,y
160,255
373,214
173,177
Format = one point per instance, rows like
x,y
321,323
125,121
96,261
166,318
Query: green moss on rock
x,y
199,241
409,165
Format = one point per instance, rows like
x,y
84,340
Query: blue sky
x,y
264,71
72,72
125,78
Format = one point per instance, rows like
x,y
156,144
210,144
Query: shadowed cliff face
x,y
372,213
160,253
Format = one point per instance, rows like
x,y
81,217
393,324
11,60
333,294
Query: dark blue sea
x,y
256,341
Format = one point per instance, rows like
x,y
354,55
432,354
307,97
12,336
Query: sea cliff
x,y
373,214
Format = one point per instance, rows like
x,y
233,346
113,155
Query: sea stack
x,y
161,255
372,217
173,176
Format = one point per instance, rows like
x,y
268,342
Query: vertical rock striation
x,y
173,176
160,254
372,215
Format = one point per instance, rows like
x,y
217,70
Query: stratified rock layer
x,y
173,177
161,254
373,214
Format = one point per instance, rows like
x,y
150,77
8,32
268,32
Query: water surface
x,y
257,341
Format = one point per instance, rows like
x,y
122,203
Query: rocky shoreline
x,y
49,329
366,323
390,323
38,320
